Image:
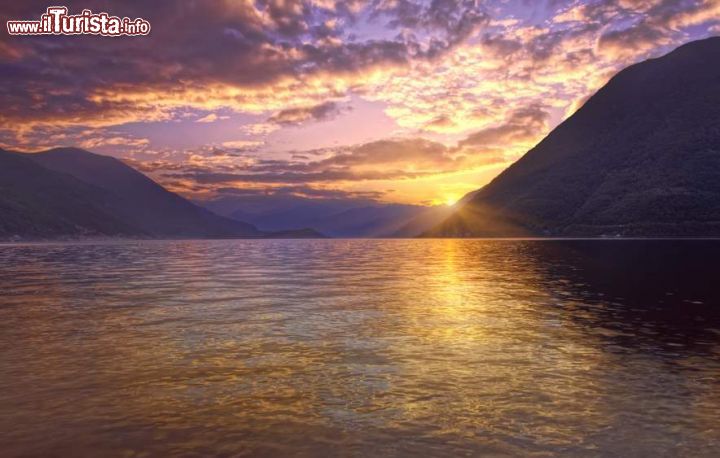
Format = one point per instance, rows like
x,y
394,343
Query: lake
x,y
360,348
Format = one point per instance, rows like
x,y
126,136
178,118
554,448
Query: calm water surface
x,y
360,348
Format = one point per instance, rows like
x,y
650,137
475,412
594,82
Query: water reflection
x,y
658,294
363,347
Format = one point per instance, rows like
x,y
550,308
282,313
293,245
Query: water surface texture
x,y
360,348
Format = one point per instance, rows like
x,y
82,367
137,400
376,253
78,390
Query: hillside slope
x,y
39,203
640,158
140,202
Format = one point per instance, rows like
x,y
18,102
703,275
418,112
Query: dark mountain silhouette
x,y
70,193
640,158
336,217
36,203
141,202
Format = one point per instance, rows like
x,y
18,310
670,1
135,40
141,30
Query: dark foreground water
x,y
361,348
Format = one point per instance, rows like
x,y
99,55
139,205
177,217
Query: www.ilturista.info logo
x,y
56,21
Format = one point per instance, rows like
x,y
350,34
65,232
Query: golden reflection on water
x,y
354,348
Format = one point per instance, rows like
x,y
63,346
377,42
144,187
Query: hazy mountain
x,y
335,217
423,221
39,203
370,221
641,157
296,234
282,212
389,220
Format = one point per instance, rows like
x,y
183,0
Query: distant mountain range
x,y
70,193
335,217
640,158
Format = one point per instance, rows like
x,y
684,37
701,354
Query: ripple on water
x,y
360,348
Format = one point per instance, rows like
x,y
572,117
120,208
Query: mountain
x,y
336,217
640,158
281,212
381,220
38,203
423,221
72,193
296,234
140,202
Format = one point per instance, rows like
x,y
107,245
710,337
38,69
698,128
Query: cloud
x,y
101,140
523,124
238,55
640,37
297,116
656,23
391,159
310,192
437,65
212,117
95,141
244,145
261,128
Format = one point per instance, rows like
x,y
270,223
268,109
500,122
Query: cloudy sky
x,y
396,100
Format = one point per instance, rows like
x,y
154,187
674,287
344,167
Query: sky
x,y
401,101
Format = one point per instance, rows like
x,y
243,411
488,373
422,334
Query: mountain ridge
x,y
640,158
143,203
344,217
72,193
38,203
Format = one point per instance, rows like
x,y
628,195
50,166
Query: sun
x,y
451,200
